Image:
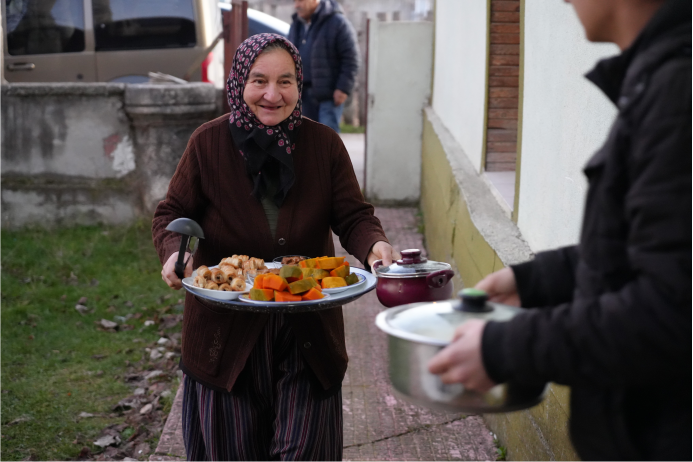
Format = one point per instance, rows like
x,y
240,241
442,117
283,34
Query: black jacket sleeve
x,y
639,333
548,279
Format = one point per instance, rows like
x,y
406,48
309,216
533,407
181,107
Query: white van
x,y
116,40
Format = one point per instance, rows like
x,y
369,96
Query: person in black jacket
x,y
612,315
327,44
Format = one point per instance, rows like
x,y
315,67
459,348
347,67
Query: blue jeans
x,y
324,112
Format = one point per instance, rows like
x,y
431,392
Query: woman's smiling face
x,y
271,90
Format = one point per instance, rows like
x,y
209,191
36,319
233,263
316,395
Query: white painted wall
x,y
565,119
459,80
399,84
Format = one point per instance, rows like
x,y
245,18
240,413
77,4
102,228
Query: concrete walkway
x,y
377,426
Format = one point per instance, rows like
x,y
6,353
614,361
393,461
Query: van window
x,y
143,24
45,26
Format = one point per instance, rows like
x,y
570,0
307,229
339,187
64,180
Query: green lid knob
x,y
474,300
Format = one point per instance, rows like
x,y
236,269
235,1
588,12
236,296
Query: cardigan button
x,y
281,241
307,345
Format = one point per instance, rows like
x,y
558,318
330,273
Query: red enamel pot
x,y
412,279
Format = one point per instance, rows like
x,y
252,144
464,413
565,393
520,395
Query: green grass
x,y
345,128
51,354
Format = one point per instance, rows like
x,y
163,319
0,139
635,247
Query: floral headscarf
x,y
261,145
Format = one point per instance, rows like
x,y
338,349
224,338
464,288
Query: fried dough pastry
x,y
204,272
218,276
238,285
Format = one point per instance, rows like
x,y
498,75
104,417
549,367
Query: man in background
x,y
327,44
611,316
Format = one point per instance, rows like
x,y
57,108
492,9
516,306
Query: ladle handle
x,y
180,263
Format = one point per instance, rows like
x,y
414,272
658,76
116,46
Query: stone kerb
x,y
163,118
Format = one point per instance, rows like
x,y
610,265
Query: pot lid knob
x,y
411,256
474,300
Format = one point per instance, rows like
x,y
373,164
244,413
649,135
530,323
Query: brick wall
x,y
503,82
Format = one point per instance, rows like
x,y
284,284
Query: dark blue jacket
x,y
334,56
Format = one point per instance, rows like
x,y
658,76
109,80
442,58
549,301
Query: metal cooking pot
x,y
412,279
417,331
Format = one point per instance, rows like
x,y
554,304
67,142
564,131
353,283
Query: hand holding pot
x,y
461,361
501,287
381,250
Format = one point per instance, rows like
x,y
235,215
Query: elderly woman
x,y
263,181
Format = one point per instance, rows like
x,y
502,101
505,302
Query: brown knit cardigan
x,y
211,186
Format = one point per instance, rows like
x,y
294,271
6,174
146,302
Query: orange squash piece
x,y
330,263
310,263
332,282
340,272
264,295
298,287
318,274
274,282
312,294
286,297
291,273
257,283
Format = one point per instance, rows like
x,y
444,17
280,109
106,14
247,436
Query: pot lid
x,y
435,323
411,264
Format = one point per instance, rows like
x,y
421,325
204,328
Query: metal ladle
x,y
187,228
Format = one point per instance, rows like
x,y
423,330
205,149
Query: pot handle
x,y
438,279
376,264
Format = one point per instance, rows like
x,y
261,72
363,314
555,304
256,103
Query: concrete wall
x,y
565,119
459,76
90,153
400,58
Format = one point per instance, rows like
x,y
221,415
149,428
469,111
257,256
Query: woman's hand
x,y
461,361
501,287
168,273
381,250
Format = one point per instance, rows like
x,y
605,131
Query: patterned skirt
x,y
274,412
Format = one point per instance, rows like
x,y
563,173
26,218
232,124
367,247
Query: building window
x,y
37,27
143,24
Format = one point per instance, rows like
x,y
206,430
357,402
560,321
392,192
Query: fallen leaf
x,y
97,357
82,300
84,415
106,324
31,337
146,409
24,418
108,440
129,304
153,374
111,309
81,308
64,297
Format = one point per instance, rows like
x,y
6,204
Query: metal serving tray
x,y
335,300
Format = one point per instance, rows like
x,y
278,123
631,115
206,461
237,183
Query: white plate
x,y
218,294
337,290
261,302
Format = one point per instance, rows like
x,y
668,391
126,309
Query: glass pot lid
x,y
435,323
412,264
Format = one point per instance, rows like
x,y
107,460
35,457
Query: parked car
x,y
117,40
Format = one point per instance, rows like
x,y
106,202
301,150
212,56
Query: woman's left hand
x,y
381,250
